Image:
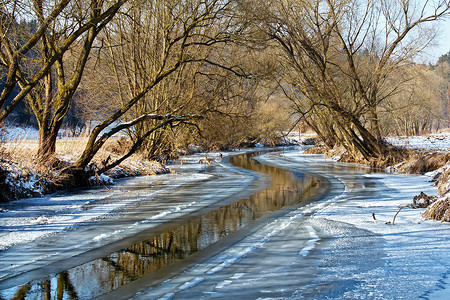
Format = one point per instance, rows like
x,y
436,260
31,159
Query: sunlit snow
x,y
331,248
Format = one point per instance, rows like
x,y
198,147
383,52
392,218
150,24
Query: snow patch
x,y
101,179
311,243
191,283
438,142
13,133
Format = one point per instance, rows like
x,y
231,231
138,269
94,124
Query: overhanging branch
x,y
167,120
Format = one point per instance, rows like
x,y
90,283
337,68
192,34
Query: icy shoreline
x,y
30,219
416,251
332,248
352,255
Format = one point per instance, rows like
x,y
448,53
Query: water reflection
x,y
158,251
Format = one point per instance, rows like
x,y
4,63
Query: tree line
x,y
168,72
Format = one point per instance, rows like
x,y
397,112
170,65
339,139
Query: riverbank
x,y
21,178
341,251
426,155
332,248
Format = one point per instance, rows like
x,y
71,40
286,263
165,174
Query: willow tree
x,y
178,33
137,47
336,57
418,106
15,45
60,47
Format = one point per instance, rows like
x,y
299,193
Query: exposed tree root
x,y
420,201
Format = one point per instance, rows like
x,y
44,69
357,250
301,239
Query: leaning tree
x,y
48,64
185,31
337,56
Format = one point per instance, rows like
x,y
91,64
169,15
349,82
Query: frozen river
x,y
273,225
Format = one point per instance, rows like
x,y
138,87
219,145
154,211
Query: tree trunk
x,y
47,145
374,124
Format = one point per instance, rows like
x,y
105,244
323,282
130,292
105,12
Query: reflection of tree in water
x,y
64,285
22,291
287,188
147,257
44,290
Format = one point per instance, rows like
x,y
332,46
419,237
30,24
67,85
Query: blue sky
x,y
442,41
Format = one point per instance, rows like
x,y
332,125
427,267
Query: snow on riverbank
x,y
389,259
29,219
416,252
437,142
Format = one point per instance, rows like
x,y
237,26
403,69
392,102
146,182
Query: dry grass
x,y
18,166
443,182
420,163
412,161
438,211
22,153
317,149
391,156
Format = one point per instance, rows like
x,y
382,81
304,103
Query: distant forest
x,y
221,74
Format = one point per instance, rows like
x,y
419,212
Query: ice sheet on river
x,y
38,232
331,249
30,219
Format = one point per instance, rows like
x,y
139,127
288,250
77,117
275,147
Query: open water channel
x,y
233,206
261,225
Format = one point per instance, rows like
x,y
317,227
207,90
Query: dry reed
x,y
438,211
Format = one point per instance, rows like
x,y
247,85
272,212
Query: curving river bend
x,y
250,229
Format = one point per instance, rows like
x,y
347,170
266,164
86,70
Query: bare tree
x,y
137,47
417,105
54,62
177,30
13,49
338,56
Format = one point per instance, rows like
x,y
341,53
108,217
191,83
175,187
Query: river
x,y
250,228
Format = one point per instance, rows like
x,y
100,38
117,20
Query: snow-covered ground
x,y
333,248
435,142
329,249
14,133
438,142
28,133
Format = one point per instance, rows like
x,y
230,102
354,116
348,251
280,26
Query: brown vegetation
x,y
406,160
421,163
336,68
438,211
219,74
21,177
